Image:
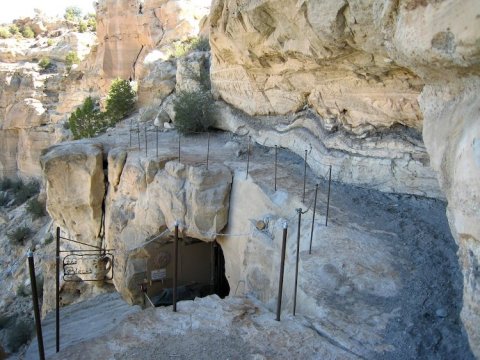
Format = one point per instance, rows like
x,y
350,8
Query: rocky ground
x,y
382,282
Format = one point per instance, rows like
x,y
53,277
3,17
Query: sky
x,y
13,9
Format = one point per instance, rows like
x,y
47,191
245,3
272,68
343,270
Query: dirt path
x,y
413,231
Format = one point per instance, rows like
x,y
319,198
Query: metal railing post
x,y
57,293
328,196
131,133
296,264
138,136
36,307
178,147
175,268
304,176
313,218
248,156
276,158
146,142
282,270
156,133
208,148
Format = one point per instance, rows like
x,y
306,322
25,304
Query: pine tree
x,y
86,121
120,100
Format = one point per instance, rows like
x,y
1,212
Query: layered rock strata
x,y
363,66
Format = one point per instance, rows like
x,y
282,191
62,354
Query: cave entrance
x,y
201,272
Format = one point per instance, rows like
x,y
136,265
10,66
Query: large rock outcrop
x,y
452,136
75,188
145,199
30,120
129,30
362,66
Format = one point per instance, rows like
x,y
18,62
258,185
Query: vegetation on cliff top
x,y
88,121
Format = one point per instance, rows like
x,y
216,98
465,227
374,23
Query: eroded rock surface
x,y
367,66
452,136
145,199
75,188
129,30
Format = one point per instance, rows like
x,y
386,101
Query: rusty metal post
x,y
175,268
304,176
248,156
282,270
178,147
313,218
328,196
57,293
208,148
156,133
296,264
36,307
146,142
130,133
276,157
138,136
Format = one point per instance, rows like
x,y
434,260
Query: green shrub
x,y
36,208
23,192
19,334
70,59
182,48
14,30
19,235
50,42
45,63
91,22
72,13
193,111
28,33
4,33
87,121
201,44
120,100
82,27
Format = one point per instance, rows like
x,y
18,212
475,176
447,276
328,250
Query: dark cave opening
x,y
201,272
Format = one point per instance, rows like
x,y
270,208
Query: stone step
x,y
83,321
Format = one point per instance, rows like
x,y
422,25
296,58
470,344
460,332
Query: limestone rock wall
x,y
361,64
452,137
145,199
31,118
75,188
365,66
129,30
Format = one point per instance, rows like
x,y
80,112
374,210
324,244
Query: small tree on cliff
x,y
120,100
86,121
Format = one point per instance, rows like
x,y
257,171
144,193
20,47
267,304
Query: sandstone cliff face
x,y
452,136
34,104
363,66
346,62
144,199
29,112
129,30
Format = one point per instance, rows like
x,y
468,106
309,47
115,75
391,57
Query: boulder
x,y
75,188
